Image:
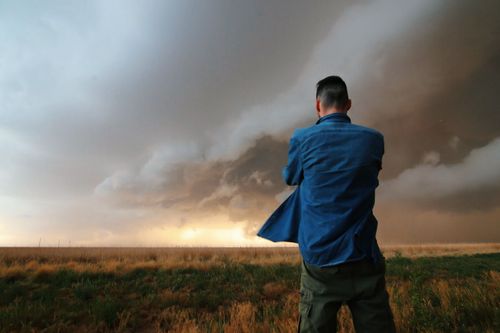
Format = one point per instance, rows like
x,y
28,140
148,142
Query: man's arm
x,y
382,149
292,173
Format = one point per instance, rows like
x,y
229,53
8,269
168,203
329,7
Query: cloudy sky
x,y
167,122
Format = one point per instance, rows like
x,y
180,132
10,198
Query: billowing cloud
x,y
121,117
435,183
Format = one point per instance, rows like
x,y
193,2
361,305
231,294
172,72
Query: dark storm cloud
x,y
438,83
245,188
181,110
435,86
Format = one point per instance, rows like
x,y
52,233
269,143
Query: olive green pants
x,y
361,285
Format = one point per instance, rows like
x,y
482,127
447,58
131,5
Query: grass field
x,y
438,288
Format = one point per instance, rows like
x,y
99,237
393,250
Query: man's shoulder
x,y
299,133
305,132
367,129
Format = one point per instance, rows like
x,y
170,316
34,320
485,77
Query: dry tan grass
x,y
16,260
421,250
241,316
274,289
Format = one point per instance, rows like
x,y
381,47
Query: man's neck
x,y
330,112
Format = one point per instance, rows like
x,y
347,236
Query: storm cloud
x,y
121,119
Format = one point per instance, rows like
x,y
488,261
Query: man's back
x,y
336,165
330,215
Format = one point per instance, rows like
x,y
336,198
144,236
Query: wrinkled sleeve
x,y
292,173
382,151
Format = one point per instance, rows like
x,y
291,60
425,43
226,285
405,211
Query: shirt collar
x,y
335,117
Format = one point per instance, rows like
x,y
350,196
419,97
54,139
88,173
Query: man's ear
x,y
348,105
317,106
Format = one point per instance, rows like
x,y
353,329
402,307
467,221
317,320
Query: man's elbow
x,y
289,179
286,176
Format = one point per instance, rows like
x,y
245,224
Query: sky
x,y
166,123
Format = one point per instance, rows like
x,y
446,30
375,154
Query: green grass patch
x,y
66,298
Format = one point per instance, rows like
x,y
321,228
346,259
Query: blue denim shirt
x,y
335,164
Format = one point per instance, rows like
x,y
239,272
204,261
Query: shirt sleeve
x,y
382,151
292,173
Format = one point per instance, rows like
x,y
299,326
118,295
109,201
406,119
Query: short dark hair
x,y
332,92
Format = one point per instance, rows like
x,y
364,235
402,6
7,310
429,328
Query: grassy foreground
x,y
246,290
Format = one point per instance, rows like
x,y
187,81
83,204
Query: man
x,y
335,164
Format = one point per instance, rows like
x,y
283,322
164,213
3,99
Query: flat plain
x,y
433,288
